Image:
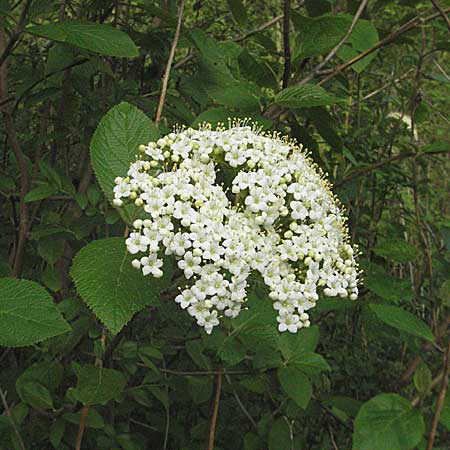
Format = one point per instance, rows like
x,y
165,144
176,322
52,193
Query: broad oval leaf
x,y
280,435
305,96
111,287
296,385
100,38
98,385
387,422
402,320
115,143
27,314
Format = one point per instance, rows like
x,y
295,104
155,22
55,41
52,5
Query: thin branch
x,y
19,248
239,402
441,398
11,419
441,12
212,428
408,26
399,157
82,426
434,382
169,64
9,47
333,52
286,43
263,27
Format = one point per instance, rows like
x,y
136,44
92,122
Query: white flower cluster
x,y
229,202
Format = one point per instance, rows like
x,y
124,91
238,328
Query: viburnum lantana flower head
x,y
277,217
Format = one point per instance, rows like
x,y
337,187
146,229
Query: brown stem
x,y
413,23
162,98
11,419
9,47
19,248
441,12
212,428
330,55
385,162
82,426
286,43
441,399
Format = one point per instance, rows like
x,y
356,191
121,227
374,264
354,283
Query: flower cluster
x,y
229,202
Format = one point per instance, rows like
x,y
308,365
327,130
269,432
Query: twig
x,y
166,430
11,419
239,402
441,12
16,33
82,426
414,22
85,409
441,399
212,428
330,55
162,98
263,27
19,248
399,157
286,43
332,438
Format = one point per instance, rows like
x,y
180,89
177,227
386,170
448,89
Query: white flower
x,y
276,217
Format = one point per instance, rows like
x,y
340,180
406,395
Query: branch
x,y
11,419
239,402
385,162
169,64
441,399
330,55
19,248
408,26
434,382
286,43
16,33
441,12
212,428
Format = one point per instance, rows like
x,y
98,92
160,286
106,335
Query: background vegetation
x,y
363,85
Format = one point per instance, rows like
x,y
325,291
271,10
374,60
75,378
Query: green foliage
x,y
27,314
97,385
116,141
95,37
403,320
304,96
387,422
110,286
83,82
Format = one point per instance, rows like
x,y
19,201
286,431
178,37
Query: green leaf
x,y
100,38
36,395
48,374
40,193
111,287
305,96
280,435
98,385
115,143
305,340
310,363
50,249
240,94
397,250
422,379
387,422
27,314
296,385
238,12
56,433
402,320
